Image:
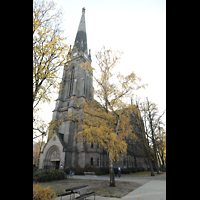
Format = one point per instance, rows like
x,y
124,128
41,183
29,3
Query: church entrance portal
x,y
52,158
57,164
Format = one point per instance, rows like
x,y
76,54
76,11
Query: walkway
x,y
154,188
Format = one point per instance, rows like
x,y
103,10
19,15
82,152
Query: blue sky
x,y
136,27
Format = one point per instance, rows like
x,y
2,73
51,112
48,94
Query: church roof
x,y
81,37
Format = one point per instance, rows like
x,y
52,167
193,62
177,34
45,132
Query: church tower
x,y
62,151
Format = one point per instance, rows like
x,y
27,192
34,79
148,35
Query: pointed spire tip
x,y
83,10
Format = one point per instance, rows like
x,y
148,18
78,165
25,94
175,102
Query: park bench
x,y
72,191
81,190
65,194
83,196
89,174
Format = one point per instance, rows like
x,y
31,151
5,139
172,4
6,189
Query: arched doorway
x,y
52,159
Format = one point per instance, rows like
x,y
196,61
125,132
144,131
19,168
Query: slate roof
x,y
81,37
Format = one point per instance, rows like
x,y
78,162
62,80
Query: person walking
x,y
115,170
119,172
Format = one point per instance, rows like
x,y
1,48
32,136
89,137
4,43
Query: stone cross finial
x,y
83,10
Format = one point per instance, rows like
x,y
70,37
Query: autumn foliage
x,y
106,121
49,54
100,127
41,193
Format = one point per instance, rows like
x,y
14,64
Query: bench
x,y
65,194
81,189
89,173
83,196
72,191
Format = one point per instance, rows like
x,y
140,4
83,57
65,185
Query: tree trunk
x,y
39,153
112,176
159,160
149,159
135,160
155,154
151,167
162,158
149,156
151,115
154,143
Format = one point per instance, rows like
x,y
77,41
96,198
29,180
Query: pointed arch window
x,y
92,145
91,162
71,82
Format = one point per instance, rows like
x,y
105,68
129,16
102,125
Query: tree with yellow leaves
x,y
106,122
49,54
37,148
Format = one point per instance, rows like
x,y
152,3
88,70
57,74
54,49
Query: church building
x,y
61,151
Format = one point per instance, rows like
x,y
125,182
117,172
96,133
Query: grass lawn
x,y
138,174
100,186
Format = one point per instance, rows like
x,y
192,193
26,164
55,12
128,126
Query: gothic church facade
x,y
62,151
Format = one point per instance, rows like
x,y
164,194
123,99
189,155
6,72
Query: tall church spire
x,y
81,37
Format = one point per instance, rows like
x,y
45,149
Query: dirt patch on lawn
x,y
100,186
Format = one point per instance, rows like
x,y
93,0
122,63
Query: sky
x,y
136,27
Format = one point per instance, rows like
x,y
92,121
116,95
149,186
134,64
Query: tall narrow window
x,y
91,162
71,82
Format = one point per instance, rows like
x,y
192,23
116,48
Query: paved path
x,y
154,188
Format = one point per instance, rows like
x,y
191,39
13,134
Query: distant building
x,y
77,86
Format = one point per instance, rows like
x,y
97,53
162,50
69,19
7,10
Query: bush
x,y
79,171
87,168
125,171
140,169
48,175
58,174
103,171
34,168
164,168
67,170
133,170
40,193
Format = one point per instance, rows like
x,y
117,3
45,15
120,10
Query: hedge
x,y
48,175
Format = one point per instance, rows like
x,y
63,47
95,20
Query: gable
x,y
54,141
